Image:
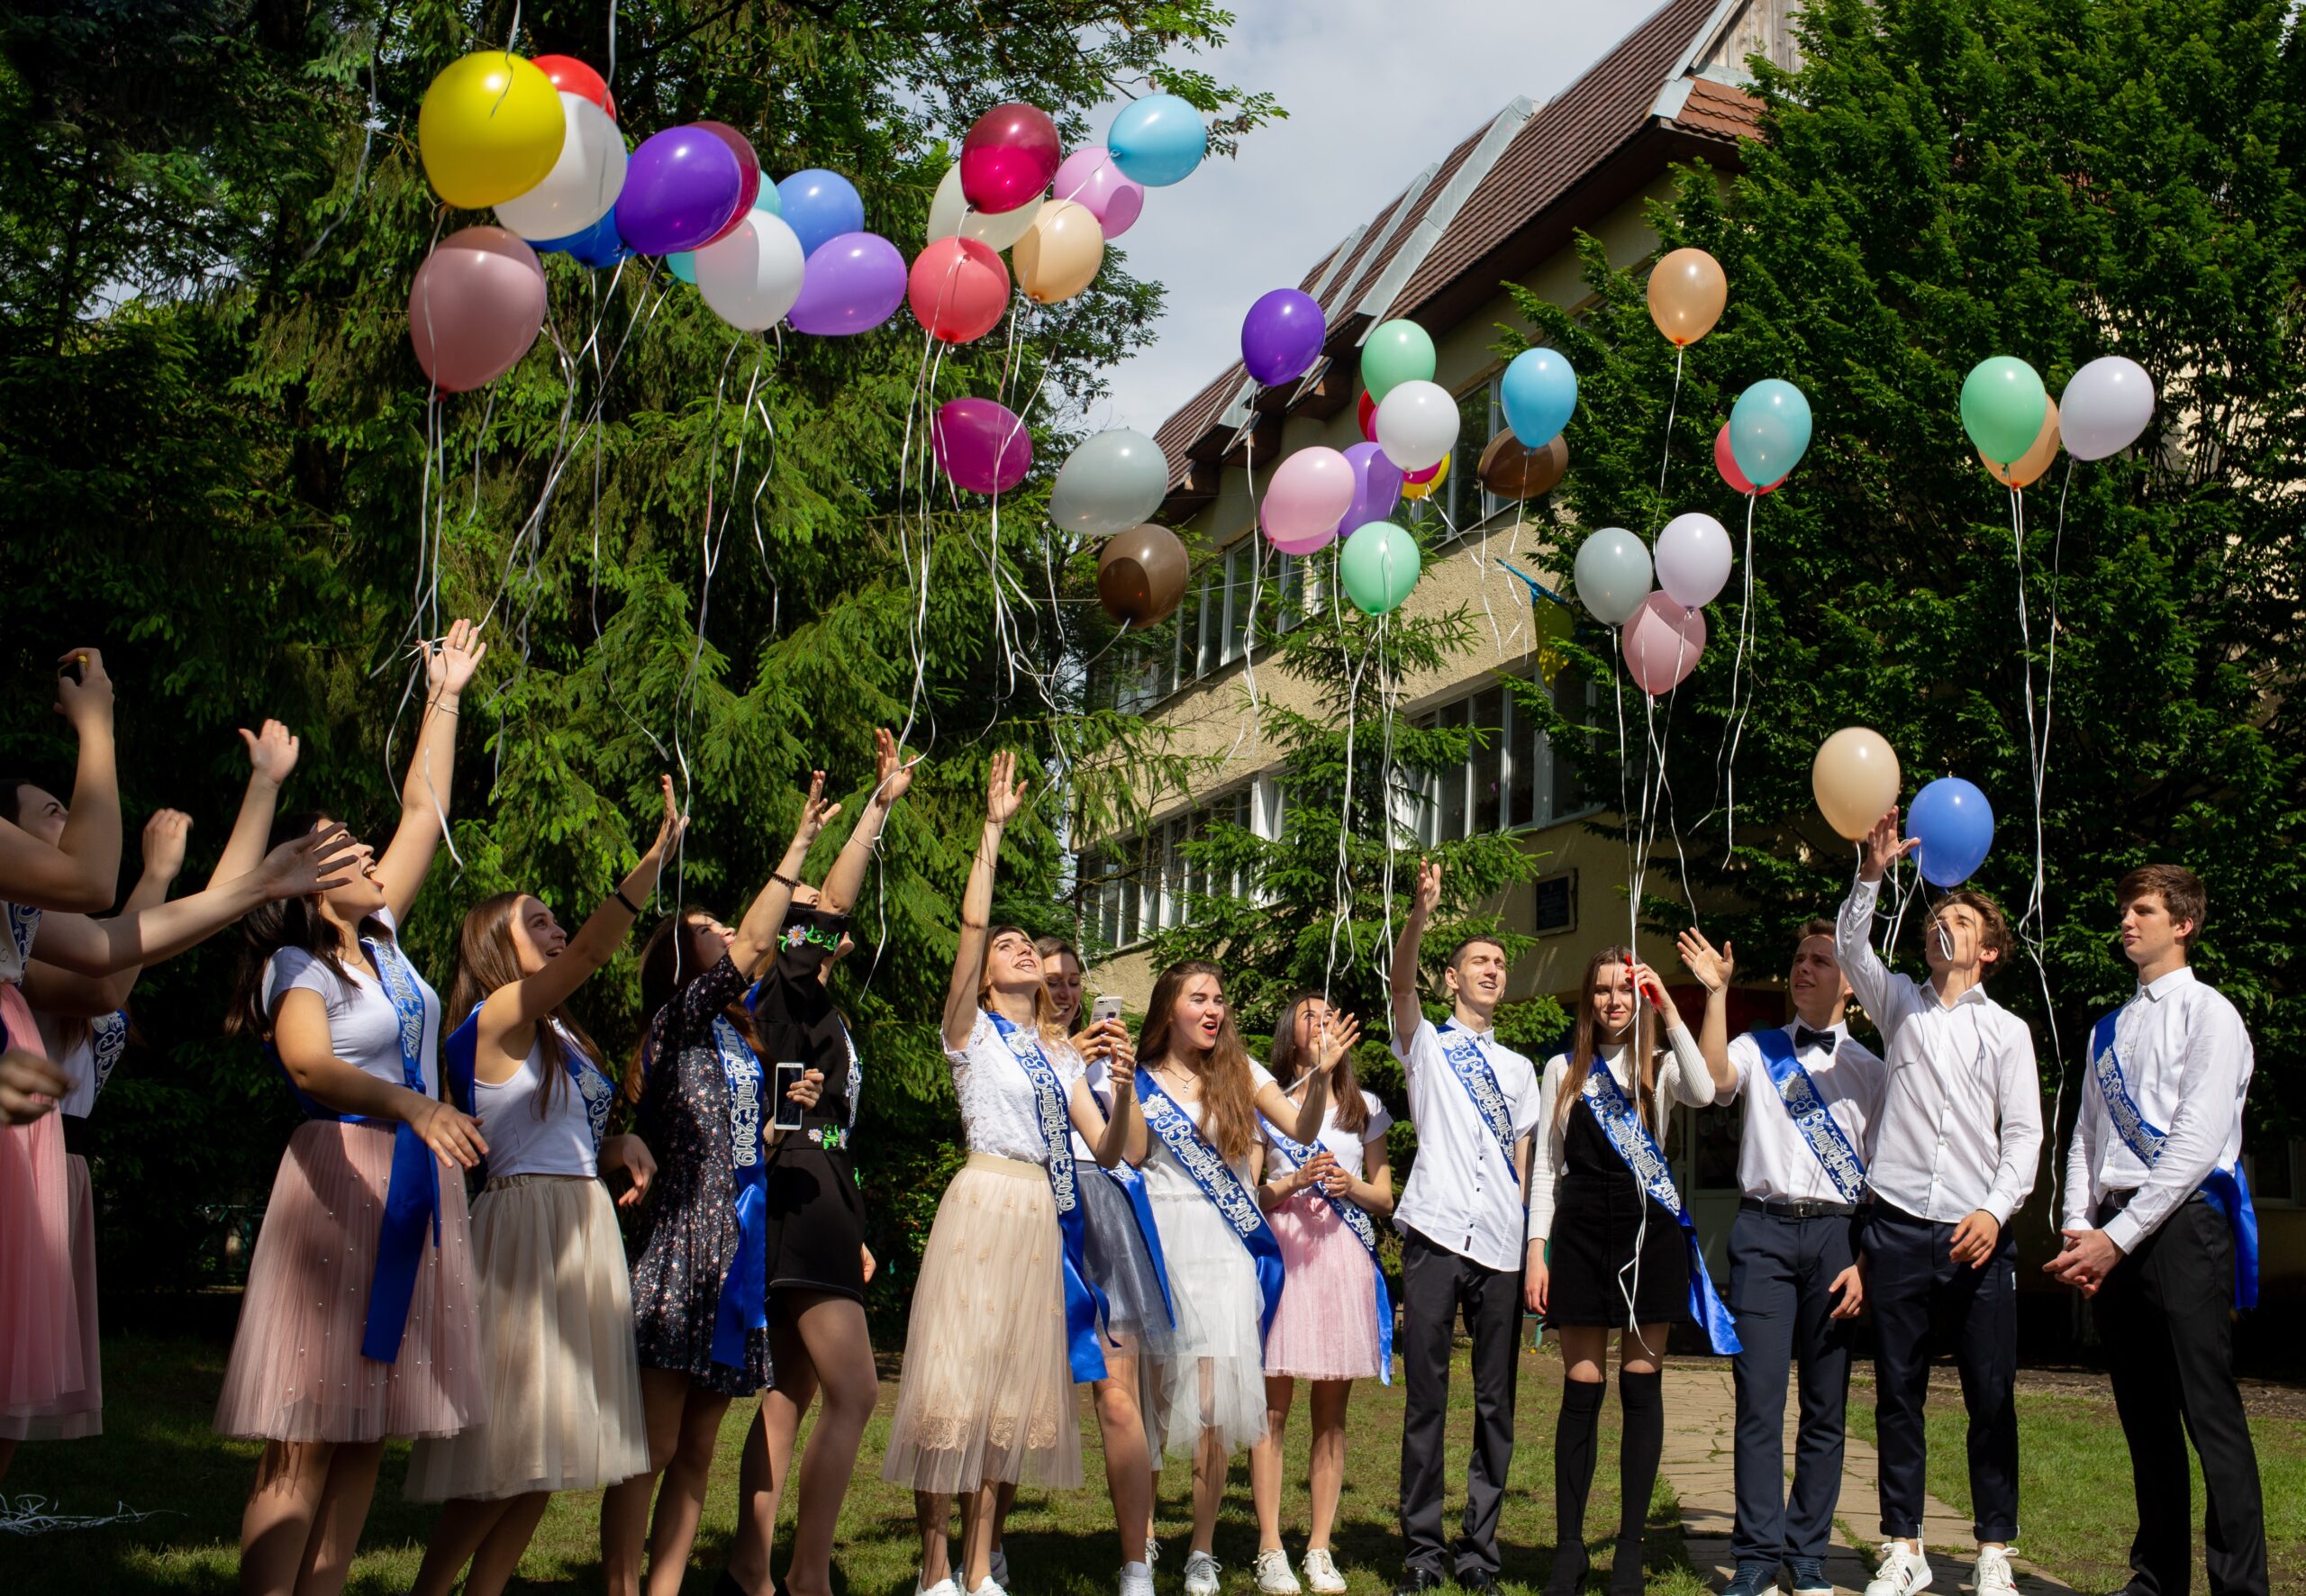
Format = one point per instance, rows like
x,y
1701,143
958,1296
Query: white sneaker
x,y
1152,1551
1201,1574
1274,1577
1902,1570
991,1587
1136,1580
947,1586
1321,1576
999,1568
1994,1576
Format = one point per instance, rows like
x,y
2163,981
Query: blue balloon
x,y
1157,140
599,245
1955,825
819,205
1769,431
1538,394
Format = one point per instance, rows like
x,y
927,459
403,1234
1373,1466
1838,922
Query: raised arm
x,y
424,791
891,776
56,990
757,933
1868,978
1408,1010
1004,795
272,755
1338,1036
1713,967
81,874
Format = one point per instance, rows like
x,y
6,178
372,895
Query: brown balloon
x,y
1512,472
1141,576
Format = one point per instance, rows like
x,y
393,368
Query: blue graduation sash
x,y
2227,1189
1220,1186
459,1065
744,1306
107,1040
1140,1207
1607,1103
1472,1068
1807,1110
1357,1220
1085,1304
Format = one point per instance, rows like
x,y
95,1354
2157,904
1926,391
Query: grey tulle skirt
x,y
1120,1263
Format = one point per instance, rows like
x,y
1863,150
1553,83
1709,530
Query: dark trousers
x,y
1782,1272
1922,1301
2165,1315
1437,1287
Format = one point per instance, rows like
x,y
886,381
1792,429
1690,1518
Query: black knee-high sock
x,y
1574,1441
1643,1399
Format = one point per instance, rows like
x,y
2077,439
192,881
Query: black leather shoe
x,y
1626,1575
1570,1564
1415,1582
1479,1581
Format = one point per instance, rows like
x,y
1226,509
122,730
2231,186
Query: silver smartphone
x,y
787,1113
1105,1008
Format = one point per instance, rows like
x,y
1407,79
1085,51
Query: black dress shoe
x,y
1570,1564
1626,1575
1479,1581
1415,1582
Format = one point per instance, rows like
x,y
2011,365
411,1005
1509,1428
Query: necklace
x,y
1170,1075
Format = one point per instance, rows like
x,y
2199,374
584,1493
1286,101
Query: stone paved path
x,y
1700,1405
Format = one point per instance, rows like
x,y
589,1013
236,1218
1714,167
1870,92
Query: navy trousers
x,y
1781,1275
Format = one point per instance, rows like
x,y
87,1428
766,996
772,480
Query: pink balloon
x,y
1007,157
1727,464
474,308
1661,644
981,445
1309,494
1090,178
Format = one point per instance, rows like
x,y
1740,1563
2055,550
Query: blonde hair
x,y
1044,1006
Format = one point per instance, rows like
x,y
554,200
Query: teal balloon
x,y
1378,564
768,199
1769,430
1157,140
682,263
2004,403
1397,352
1538,394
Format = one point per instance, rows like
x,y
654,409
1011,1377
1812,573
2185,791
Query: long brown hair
x,y
669,960
486,959
1227,1087
1290,1059
1050,947
285,922
1582,1047
1044,1006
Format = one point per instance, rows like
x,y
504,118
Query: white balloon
x,y
1693,556
2105,407
1416,425
1612,575
949,214
751,278
582,184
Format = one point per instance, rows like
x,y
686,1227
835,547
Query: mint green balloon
x,y
1398,352
682,265
1378,564
2004,403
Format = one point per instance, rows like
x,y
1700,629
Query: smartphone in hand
x,y
787,1114
1105,1008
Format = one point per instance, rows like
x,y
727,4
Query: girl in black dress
x,y
1617,1259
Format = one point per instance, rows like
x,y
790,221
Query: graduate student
x,y
1812,1094
1954,1156
2159,1227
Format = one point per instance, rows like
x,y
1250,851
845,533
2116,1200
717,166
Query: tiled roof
x,y
1718,109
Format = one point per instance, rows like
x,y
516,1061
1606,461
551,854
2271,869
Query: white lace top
x,y
1000,1115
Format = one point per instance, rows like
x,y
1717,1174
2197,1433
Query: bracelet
x,y
631,907
782,880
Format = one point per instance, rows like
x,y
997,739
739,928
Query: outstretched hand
x,y
1712,966
165,836
448,665
892,771
670,828
816,812
1883,849
323,858
272,752
1428,896
1339,1035
1004,789
85,702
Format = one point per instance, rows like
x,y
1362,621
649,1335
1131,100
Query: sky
x,y
1376,91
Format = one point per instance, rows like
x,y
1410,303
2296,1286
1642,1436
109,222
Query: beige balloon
x,y
2039,456
1686,293
949,214
1061,253
1855,779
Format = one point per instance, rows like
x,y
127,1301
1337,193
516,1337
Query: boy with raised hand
x,y
2159,1218
1812,1096
1474,1102
1954,1156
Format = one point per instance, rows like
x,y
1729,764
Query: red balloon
x,y
1369,414
1415,478
573,76
1008,157
958,288
748,171
1727,464
474,308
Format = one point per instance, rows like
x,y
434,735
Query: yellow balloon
x,y
1856,780
1059,253
1418,490
490,129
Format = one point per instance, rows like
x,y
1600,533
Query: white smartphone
x,y
1105,1008
788,1114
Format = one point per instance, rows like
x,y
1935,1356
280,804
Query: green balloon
x,y
1398,352
682,263
1378,566
2004,403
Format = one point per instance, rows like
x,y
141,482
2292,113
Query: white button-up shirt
x,y
1961,1127
1462,1193
2186,1058
1775,1161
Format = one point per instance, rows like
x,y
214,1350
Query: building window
x,y
1212,624
1140,886
1461,498
1510,777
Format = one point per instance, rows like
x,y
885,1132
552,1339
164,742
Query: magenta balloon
x,y
1662,644
1089,178
1377,488
680,188
852,283
474,308
1281,337
981,445
1306,498
1008,157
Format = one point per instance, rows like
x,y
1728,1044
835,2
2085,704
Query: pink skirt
x,y
75,1415
41,1362
296,1373
1326,1328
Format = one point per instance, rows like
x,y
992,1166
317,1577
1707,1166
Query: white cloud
x,y
1376,91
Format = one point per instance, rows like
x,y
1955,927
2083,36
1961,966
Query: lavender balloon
x,y
1281,337
681,187
852,283
980,444
1377,488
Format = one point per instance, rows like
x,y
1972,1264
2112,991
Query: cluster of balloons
x,y
2018,428
1855,778
1661,630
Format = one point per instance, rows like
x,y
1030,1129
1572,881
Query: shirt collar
x,y
1838,1029
2168,985
1454,1023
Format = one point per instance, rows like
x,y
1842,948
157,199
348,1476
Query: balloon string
x,y
1388,689
1673,408
1725,758
2033,925
1343,881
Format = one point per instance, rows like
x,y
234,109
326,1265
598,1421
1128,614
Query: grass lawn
x,y
159,1455
2076,1509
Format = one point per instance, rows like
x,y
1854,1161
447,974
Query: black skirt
x,y
816,1217
1591,1252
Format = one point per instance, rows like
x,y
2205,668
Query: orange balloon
x,y
1059,253
2039,456
1686,293
1855,779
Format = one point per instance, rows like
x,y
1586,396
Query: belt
x,y
1803,1209
76,1133
2115,1199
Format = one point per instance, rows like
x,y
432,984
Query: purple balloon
x,y
681,187
981,445
1281,337
1377,488
851,284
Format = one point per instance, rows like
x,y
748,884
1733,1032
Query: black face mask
x,y
810,939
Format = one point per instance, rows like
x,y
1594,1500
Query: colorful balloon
x,y
682,263
1420,484
474,308
1693,558
1396,352
573,76
1612,575
1281,337
1769,430
749,176
1378,566
1141,576
950,216
680,189
1686,294
2002,405
1090,177
1376,487
597,246
2105,407
767,198
958,289
1955,825
980,444
1416,425
1725,463
753,277
1112,483
490,128
582,184
852,285
1538,394
1662,643
1307,497
1157,140
1512,472
1008,157
1855,779
1366,413
1061,252
820,206
2026,468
